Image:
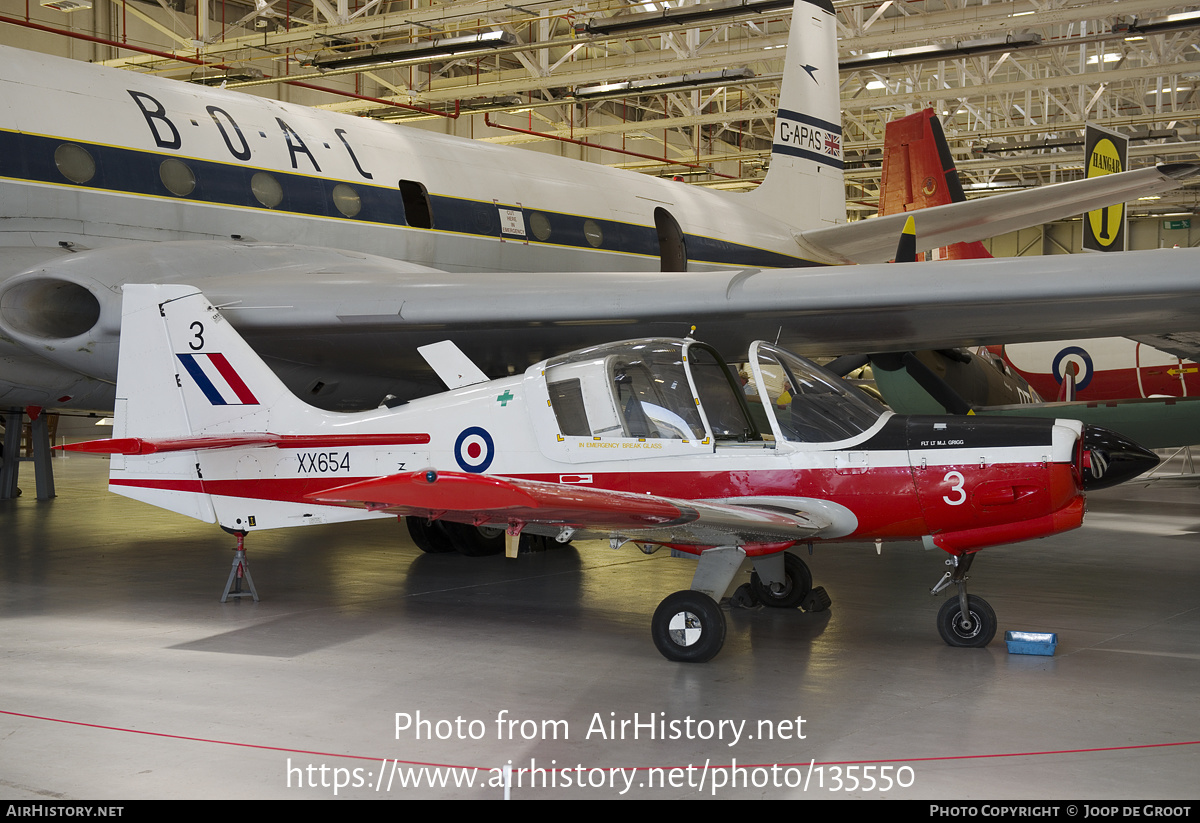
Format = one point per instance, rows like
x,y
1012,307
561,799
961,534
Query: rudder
x,y
919,172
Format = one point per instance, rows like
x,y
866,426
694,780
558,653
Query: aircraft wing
x,y
874,240
588,512
342,329
1181,344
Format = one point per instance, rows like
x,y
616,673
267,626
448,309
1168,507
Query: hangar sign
x,y
1106,153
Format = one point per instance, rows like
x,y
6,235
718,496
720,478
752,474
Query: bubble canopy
x,y
670,389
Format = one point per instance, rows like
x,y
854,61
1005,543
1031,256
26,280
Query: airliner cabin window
x,y
346,199
177,177
266,189
539,224
593,233
75,163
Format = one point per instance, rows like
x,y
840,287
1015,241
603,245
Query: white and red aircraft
x,y
650,441
374,239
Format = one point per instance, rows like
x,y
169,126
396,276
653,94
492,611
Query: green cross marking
x,y
504,398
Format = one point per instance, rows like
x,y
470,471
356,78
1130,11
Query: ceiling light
x,y
661,84
481,43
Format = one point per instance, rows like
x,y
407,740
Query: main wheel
x,y
797,583
473,541
428,535
688,627
980,629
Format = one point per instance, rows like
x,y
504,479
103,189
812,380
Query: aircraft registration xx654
x,y
655,442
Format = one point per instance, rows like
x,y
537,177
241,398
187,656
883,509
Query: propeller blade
x,y
906,249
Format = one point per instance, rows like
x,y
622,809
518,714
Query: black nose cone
x,y
1111,458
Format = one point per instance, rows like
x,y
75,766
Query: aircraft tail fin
x,y
919,172
184,371
188,384
804,184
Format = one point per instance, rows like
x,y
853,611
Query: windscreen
x,y
810,404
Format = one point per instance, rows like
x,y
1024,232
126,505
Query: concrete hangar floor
x,y
123,677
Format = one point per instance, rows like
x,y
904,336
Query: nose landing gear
x,y
966,621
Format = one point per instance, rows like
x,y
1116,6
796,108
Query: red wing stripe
x,y
310,441
137,445
233,379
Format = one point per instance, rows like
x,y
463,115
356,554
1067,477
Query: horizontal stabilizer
x,y
874,240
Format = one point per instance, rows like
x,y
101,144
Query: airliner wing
x,y
874,240
333,322
1185,344
484,499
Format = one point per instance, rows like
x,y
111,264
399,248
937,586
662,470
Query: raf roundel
x,y
474,450
1082,361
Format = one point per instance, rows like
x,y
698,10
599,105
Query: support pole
x,y
43,469
10,460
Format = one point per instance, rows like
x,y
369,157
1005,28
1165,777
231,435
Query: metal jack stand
x,y
233,586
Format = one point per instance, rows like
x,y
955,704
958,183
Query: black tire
x,y
743,597
796,586
468,540
978,634
532,543
428,535
688,627
818,600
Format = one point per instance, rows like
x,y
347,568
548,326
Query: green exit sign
x,y
1177,224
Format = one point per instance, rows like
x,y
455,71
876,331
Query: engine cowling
x,y
989,481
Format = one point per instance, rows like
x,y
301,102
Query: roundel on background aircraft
x,y
1082,362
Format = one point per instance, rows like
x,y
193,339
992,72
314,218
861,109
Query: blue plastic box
x,y
1043,643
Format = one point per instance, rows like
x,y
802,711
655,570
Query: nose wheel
x,y
688,627
965,621
976,630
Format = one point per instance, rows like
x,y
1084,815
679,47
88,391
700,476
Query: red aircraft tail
x,y
919,172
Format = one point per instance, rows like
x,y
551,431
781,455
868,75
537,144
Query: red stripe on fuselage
x,y
884,500
168,485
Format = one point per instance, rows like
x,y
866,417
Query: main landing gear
x,y
439,536
689,626
965,621
794,590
